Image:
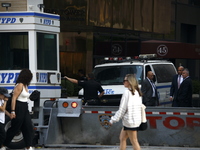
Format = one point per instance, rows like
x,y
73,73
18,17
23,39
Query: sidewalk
x,y
117,148
165,148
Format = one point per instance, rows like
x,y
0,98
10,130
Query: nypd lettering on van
x,y
10,78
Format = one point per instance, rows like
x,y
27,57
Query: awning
x,y
168,49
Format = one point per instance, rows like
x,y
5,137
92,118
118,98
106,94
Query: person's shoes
x,y
31,148
3,148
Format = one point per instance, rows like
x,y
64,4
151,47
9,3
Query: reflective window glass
x,y
14,50
46,51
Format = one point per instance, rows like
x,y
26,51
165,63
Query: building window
x,y
14,50
194,2
46,51
188,33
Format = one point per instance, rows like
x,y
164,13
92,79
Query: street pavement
x,y
100,147
107,147
117,148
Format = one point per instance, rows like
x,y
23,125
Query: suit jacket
x,y
184,93
174,87
147,92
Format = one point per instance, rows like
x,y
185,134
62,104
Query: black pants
x,y
21,122
153,102
2,134
175,103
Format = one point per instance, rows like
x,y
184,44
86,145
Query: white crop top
x,y
23,96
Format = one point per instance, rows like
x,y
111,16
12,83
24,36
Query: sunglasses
x,y
125,81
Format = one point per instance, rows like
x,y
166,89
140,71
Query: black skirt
x,y
132,129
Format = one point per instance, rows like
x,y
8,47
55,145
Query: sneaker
x,y
3,148
31,148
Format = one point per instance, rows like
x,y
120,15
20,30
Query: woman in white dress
x,y
130,112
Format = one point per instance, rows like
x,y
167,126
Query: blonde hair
x,y
133,84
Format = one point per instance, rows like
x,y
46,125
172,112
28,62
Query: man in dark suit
x,y
184,93
149,91
176,82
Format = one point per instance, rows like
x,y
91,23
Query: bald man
x,y
184,93
149,91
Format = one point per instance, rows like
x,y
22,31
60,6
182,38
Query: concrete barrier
x,y
168,126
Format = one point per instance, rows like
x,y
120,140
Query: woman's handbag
x,y
143,126
35,95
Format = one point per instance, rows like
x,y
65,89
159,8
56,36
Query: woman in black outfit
x,y
21,119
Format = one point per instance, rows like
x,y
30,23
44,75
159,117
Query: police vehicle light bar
x,y
115,58
147,56
120,59
128,58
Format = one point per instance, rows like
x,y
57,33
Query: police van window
x,y
14,50
46,51
164,72
114,75
147,68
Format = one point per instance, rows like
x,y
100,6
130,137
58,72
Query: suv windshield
x,y
114,75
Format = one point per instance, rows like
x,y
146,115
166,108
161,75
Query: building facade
x,y
94,29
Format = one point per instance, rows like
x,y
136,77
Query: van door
x,y
164,74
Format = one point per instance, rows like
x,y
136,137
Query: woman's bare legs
x,y
123,137
133,138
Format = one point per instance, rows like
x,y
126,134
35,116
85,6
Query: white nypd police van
x,y
111,73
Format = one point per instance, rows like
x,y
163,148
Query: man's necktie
x,y
179,80
154,88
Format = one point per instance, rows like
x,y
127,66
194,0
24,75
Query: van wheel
x,y
18,140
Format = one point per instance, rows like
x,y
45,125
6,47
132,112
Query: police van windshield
x,y
114,75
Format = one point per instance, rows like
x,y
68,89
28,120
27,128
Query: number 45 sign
x,y
162,50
